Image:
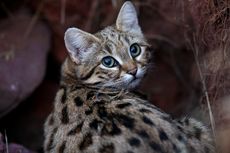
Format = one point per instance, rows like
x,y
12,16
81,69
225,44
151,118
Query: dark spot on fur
x,y
102,113
108,148
180,138
197,132
90,95
63,98
140,95
143,134
78,87
176,150
101,77
154,107
101,102
143,110
76,129
51,120
62,147
110,129
147,121
51,139
155,146
64,117
125,120
86,142
129,151
206,149
88,112
78,101
189,135
179,128
163,136
123,105
167,118
94,124
134,142
180,122
186,121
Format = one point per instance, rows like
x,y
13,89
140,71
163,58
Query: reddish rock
x,y
12,147
29,117
23,49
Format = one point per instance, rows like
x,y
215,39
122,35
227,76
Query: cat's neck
x,y
78,86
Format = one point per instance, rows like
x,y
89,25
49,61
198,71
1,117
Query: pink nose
x,y
132,72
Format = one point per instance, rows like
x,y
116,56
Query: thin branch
x,y
63,11
93,11
6,10
34,19
6,141
196,53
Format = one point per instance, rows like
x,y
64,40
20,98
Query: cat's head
x,y
116,56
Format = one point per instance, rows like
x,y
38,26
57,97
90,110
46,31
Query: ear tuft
x,y
127,20
79,43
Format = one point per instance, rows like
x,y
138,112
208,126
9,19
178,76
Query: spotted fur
x,y
95,111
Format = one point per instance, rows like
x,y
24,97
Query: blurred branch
x,y
161,38
63,11
196,56
93,11
6,10
6,141
34,19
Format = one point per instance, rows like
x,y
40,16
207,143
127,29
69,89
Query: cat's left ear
x,y
80,44
127,20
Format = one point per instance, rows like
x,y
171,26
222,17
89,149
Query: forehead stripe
x,y
126,39
108,49
89,74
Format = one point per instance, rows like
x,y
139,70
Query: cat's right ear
x,y
127,20
79,44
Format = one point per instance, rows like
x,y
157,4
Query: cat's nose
x,y
133,71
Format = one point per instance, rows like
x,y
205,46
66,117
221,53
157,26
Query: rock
x,y
12,147
23,50
28,119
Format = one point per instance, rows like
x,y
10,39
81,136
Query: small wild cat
x,y
94,110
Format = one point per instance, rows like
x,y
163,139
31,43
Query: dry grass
x,y
210,45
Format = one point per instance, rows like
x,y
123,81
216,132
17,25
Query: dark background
x,y
190,65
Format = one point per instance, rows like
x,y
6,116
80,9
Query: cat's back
x,y
121,124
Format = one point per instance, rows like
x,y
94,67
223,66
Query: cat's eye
x,y
135,50
109,62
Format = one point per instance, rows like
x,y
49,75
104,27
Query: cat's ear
x,y
79,44
127,20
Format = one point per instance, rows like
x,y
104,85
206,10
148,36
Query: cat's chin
x,y
134,83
